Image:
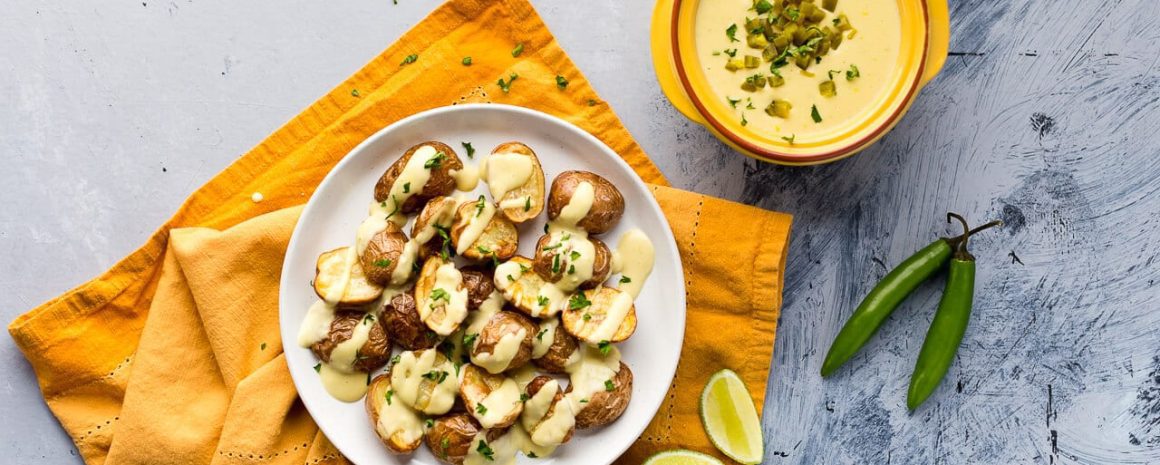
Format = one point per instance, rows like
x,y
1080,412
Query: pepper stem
x,y
961,247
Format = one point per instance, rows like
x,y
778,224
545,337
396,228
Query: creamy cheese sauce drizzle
x,y
316,324
544,337
339,288
502,354
475,226
589,372
633,259
547,429
413,373
465,179
446,306
504,172
575,256
398,418
499,404
344,386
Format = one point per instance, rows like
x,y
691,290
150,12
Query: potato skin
x,y
479,284
435,245
607,203
606,406
450,437
474,387
401,320
386,245
503,323
440,183
601,266
562,348
361,290
534,387
372,355
534,188
499,237
375,398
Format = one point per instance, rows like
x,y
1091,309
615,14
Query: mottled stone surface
x,y
1046,116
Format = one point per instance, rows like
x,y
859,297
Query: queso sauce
x,y
873,49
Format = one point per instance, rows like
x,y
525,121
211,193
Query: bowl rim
x,y
788,158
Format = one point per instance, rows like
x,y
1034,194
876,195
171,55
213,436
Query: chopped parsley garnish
x,y
540,335
507,86
480,409
524,397
532,455
406,188
561,82
793,13
395,359
762,7
817,117
605,347
733,101
571,269
789,138
518,50
732,52
368,319
390,393
470,150
731,33
625,280
591,102
410,59
553,246
744,122
466,61
438,376
609,386
555,263
318,368
587,316
354,93
578,301
262,347
469,339
440,294
574,255
853,73
435,161
430,422
528,204
480,205
542,300
483,250
383,262
484,449
511,278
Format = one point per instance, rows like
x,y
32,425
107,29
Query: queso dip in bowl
x,y
797,81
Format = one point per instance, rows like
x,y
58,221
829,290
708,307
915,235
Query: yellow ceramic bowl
x,y
925,34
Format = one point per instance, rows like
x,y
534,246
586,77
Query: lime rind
x,y
681,457
730,418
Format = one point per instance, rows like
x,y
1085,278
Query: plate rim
x,y
669,241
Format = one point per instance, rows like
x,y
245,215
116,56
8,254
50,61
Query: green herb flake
x,y
440,294
578,301
591,102
587,316
609,386
410,59
390,393
262,347
383,262
605,347
481,409
318,368
853,73
485,450
354,93
817,117
540,335
518,50
528,203
733,101
744,122
731,33
625,280
789,138
542,301
480,205
435,161
406,188
466,61
561,82
430,422
732,52
469,339
507,86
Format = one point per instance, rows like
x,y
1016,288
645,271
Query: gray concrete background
x,y
1046,116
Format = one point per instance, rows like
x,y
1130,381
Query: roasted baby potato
x,y
433,226
382,253
500,325
397,425
558,402
401,320
587,310
521,287
560,351
426,381
519,203
372,355
441,308
479,286
441,181
330,277
554,269
499,239
605,406
450,437
607,203
476,389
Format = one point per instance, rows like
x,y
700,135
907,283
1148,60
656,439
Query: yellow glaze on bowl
x,y
897,51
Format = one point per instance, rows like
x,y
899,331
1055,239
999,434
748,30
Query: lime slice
x,y
730,418
681,457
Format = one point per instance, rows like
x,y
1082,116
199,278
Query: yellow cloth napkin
x,y
173,355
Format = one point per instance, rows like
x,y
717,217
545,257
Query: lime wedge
x,y
681,457
730,418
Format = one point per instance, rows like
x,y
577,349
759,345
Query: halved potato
x,y
499,239
553,270
450,437
489,353
426,381
397,425
605,406
401,320
441,300
368,357
540,411
522,287
440,182
607,202
493,400
433,225
560,351
588,310
382,253
517,203
331,281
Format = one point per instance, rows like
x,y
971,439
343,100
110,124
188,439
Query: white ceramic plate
x,y
340,204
